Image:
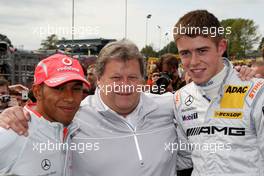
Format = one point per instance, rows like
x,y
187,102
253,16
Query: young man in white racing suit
x,y
221,116
58,86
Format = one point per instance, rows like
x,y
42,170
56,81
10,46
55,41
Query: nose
x,y
68,95
195,60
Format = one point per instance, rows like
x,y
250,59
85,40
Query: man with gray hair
x,y
130,128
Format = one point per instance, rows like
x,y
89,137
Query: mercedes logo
x,y
45,164
189,100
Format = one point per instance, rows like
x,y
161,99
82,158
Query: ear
x,y
98,79
222,46
37,92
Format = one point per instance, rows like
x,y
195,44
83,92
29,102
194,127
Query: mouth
x,y
124,94
197,71
67,109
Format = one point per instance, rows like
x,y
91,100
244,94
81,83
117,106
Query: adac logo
x,y
236,89
228,115
190,116
45,164
67,61
189,100
234,96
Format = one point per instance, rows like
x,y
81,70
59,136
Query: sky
x,y
27,22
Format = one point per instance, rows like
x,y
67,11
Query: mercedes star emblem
x,y
189,100
45,164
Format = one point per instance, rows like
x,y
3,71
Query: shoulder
x,y
165,98
7,138
11,144
87,100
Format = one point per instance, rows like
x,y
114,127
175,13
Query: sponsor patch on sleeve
x,y
177,98
255,89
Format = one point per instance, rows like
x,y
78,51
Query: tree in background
x,y
148,51
169,48
243,36
261,44
50,42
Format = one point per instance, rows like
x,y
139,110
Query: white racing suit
x,y
226,133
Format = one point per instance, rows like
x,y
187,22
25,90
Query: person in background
x,y
4,94
259,68
19,93
91,78
168,67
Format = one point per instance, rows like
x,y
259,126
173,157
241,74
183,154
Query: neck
x,y
38,108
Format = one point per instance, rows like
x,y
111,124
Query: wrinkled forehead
x,y
127,64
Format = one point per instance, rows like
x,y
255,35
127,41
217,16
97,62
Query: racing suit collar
x,y
229,71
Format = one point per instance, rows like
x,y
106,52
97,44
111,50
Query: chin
x,y
66,123
199,81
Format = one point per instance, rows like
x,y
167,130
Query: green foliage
x,y
169,48
261,44
148,51
244,35
50,42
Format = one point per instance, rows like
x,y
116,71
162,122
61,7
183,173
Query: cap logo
x,y
67,61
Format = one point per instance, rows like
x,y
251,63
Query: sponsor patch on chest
x,y
234,96
228,115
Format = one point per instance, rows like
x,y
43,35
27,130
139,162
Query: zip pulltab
x,y
138,150
136,142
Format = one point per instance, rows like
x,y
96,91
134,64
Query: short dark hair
x,y
195,21
4,82
169,59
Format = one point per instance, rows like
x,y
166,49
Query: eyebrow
x,y
200,48
204,47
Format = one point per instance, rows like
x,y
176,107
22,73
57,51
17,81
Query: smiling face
x,y
117,75
201,57
59,104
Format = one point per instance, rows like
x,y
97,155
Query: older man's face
x,y
118,85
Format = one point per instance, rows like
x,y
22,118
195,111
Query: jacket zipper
x,y
138,149
136,143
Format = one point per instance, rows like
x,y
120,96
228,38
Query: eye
x,y
184,54
202,51
77,88
115,78
133,78
59,88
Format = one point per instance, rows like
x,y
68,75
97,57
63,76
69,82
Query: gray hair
x,y
123,50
